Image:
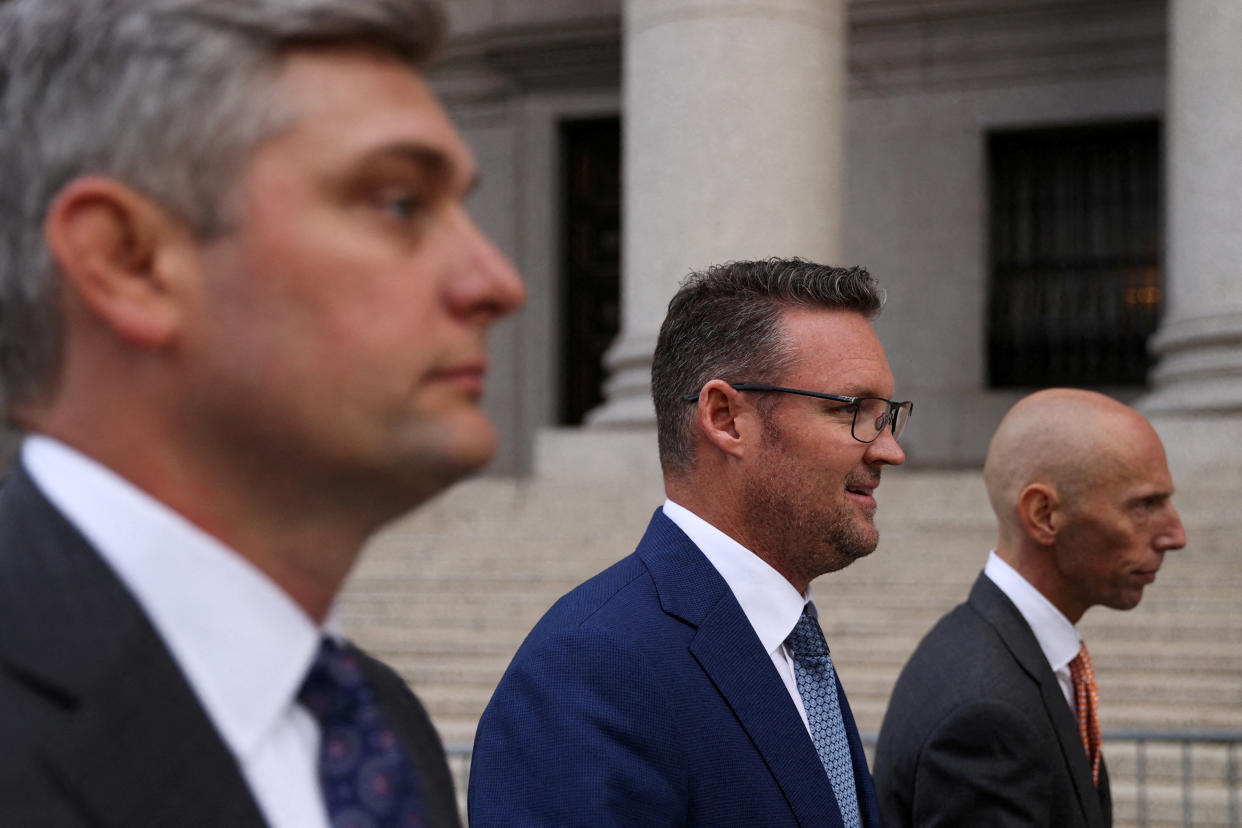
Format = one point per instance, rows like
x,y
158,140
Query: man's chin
x,y
442,453
852,548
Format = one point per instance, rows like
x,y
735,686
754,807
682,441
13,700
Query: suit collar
x,y
73,638
995,607
729,652
241,641
770,602
1057,637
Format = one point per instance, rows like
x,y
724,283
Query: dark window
x,y
590,299
1075,288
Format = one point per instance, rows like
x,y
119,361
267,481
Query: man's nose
x,y
1174,537
885,450
486,282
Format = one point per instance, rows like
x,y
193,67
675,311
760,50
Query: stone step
x,y
1155,627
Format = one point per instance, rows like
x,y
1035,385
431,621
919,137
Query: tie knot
x,y
1080,666
334,688
807,639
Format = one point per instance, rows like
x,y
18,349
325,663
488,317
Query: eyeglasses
x,y
871,414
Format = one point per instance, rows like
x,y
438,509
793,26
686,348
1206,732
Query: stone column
x,y
1196,397
1200,340
733,148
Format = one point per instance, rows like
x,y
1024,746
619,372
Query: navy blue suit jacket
x,y
644,697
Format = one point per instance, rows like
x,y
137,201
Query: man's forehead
x,y
379,106
838,347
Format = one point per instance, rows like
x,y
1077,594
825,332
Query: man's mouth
x,y
469,377
863,490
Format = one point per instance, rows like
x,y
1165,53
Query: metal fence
x,y
1158,777
1175,777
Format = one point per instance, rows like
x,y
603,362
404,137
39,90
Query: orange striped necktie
x,y
1087,702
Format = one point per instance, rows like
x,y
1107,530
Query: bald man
x,y
994,720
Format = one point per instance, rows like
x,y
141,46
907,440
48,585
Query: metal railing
x,y
1206,773
1206,776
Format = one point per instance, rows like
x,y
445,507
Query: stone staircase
x,y
448,594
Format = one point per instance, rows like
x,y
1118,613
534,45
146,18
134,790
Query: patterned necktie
x,y
1087,702
364,774
817,684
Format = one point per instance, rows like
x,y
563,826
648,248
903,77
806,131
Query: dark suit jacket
x,y
978,731
644,697
98,727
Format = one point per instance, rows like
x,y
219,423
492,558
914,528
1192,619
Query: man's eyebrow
x,y
431,162
1156,495
855,389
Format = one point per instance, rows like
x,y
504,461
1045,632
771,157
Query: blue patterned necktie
x,y
366,779
817,684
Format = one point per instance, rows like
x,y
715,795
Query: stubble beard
x,y
809,533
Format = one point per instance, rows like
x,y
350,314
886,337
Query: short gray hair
x,y
725,323
167,96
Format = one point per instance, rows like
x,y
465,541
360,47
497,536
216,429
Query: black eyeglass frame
x,y
894,407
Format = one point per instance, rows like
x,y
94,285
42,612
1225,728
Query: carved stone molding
x,y
898,45
504,61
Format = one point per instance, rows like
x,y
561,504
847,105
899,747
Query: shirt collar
x,y
1057,637
769,601
242,643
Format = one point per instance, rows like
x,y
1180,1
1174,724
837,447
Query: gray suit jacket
x,y
98,727
978,733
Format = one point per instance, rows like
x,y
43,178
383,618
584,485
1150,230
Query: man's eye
x,y
402,207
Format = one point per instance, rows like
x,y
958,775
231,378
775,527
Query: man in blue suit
x,y
689,684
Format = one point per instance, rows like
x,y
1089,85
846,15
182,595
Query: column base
x,y
628,391
1200,370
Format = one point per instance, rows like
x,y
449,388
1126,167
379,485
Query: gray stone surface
x,y
926,82
1200,340
733,145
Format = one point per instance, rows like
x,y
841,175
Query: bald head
x,y
1083,498
1066,438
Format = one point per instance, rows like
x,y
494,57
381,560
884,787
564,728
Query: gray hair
x,y
168,96
725,323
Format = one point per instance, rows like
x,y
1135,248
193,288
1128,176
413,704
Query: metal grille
x,y
1074,246
1159,778
590,299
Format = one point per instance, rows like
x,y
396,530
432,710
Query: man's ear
x,y
724,417
1039,510
112,247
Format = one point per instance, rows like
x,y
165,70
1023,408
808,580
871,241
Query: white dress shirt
x,y
770,602
242,643
1057,637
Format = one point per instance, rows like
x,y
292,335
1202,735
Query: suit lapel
x,y
731,655
123,735
138,751
999,611
729,652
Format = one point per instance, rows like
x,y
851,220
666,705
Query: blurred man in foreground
x,y
244,314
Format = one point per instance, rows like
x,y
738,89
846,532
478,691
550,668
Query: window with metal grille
x,y
591,270
1074,247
